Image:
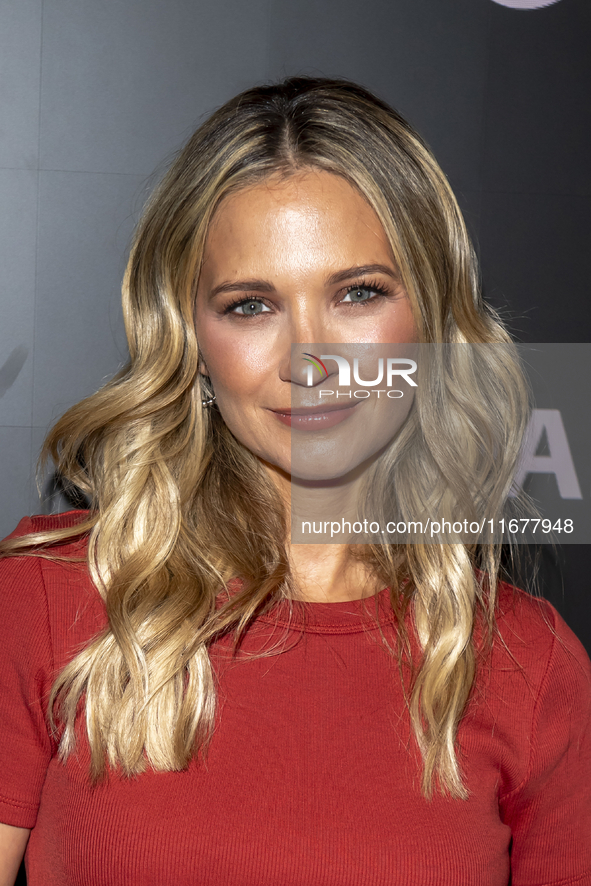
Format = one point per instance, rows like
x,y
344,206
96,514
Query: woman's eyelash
x,y
371,286
242,301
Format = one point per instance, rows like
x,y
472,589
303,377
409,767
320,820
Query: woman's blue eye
x,y
250,308
359,294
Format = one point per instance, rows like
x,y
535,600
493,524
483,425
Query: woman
x,y
191,698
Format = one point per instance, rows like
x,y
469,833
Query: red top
x,y
312,775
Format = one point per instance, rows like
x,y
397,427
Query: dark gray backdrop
x,y
95,95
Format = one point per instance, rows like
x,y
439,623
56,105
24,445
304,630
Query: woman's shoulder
x,y
530,625
42,523
538,714
46,588
536,657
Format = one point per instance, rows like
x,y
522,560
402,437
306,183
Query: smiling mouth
x,y
315,418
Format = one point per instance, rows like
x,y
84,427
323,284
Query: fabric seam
x,y
535,713
19,804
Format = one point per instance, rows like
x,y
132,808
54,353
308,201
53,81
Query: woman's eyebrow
x,y
242,286
360,271
338,277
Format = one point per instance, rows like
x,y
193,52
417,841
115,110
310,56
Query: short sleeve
x,y
26,675
550,811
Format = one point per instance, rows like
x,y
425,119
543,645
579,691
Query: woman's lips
x,y
315,418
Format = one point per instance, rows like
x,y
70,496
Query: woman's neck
x,y
327,573
322,572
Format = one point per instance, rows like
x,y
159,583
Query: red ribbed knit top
x,y
312,776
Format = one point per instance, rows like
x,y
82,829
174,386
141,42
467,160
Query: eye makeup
x,y
373,287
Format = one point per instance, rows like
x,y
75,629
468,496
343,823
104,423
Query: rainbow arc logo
x,y
315,363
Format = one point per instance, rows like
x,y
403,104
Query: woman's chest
x,y
311,776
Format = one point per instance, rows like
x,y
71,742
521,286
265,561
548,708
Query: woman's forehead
x,y
313,218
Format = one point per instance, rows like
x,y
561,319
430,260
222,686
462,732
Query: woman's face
x,y
298,260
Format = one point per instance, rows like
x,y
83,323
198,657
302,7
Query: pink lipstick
x,y
315,418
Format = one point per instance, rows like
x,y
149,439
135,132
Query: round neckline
x,y
342,616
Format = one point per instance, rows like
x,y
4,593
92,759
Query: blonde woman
x,y
187,696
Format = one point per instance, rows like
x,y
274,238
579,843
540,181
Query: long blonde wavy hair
x,y
179,506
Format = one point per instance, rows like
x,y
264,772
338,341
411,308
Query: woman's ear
x,y
202,366
204,378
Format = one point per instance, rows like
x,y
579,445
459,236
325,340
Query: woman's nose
x,y
301,362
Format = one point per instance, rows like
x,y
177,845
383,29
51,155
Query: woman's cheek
x,y
238,365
